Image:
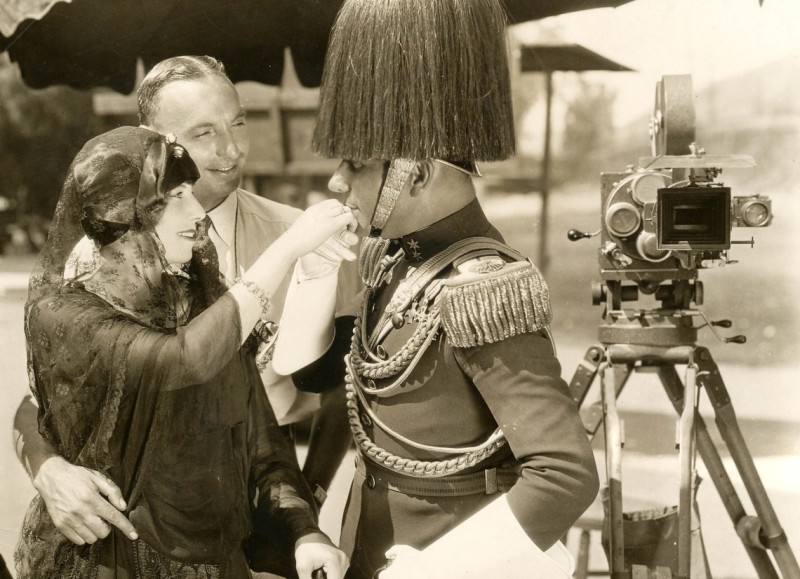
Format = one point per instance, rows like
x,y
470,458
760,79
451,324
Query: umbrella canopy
x,y
565,57
92,43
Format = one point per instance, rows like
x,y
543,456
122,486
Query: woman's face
x,y
177,228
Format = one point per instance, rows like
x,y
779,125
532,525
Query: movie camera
x,y
670,216
662,222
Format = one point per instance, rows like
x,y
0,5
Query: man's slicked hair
x,y
171,70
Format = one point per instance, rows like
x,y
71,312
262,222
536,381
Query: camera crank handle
x,y
727,324
722,324
575,235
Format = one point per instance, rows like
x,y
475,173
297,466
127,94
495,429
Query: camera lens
x,y
622,219
647,246
755,214
644,188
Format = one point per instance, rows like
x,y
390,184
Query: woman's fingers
x,y
347,237
333,218
320,222
343,218
335,251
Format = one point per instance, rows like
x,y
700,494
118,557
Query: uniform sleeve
x,y
327,372
519,379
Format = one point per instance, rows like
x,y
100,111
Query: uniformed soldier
x,y
472,459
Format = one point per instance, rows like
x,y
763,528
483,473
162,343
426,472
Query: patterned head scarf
x,y
103,235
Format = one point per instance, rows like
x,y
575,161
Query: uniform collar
x,y
425,243
223,218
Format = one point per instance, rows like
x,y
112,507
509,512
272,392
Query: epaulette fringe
x,y
489,307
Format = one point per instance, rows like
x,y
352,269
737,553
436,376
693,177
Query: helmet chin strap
x,y
396,179
374,247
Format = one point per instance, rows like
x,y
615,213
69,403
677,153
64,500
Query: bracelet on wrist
x,y
257,293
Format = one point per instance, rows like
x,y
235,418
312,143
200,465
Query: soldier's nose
x,y
338,183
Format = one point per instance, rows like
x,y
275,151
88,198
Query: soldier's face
x,y
361,182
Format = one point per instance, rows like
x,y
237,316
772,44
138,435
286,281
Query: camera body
x,y
663,220
661,224
669,216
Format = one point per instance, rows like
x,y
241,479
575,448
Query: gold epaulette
x,y
493,300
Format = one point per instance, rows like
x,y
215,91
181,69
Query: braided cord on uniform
x,y
394,364
407,466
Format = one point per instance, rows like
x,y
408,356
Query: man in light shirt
x,y
192,98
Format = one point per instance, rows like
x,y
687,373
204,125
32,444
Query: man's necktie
x,y
207,260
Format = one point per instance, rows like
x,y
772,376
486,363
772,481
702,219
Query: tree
x,y
40,133
588,129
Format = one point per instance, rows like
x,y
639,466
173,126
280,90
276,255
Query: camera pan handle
x,y
575,234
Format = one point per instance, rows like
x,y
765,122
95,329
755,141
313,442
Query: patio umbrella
x,y
93,43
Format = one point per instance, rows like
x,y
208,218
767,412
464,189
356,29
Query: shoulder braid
x,y
490,300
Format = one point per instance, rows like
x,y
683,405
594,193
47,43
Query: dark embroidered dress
x,y
153,391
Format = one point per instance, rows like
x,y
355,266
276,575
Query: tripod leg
x,y
585,373
719,476
773,536
687,463
613,431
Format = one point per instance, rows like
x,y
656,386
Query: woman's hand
x,y
327,223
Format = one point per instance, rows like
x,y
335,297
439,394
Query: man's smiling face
x,y
208,119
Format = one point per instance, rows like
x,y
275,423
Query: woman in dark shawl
x,y
137,375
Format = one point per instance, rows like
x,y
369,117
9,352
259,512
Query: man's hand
x,y
315,551
76,500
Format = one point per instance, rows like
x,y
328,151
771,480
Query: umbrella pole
x,y
545,179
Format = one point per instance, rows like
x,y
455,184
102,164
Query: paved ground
x,y
766,399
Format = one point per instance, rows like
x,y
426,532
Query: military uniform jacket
x,y
430,453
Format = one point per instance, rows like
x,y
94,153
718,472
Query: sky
x,y
709,39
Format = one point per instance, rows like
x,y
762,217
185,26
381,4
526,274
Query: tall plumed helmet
x,y
418,80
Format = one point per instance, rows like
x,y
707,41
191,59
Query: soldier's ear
x,y
421,176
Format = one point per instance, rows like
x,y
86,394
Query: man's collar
x,y
223,217
425,243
